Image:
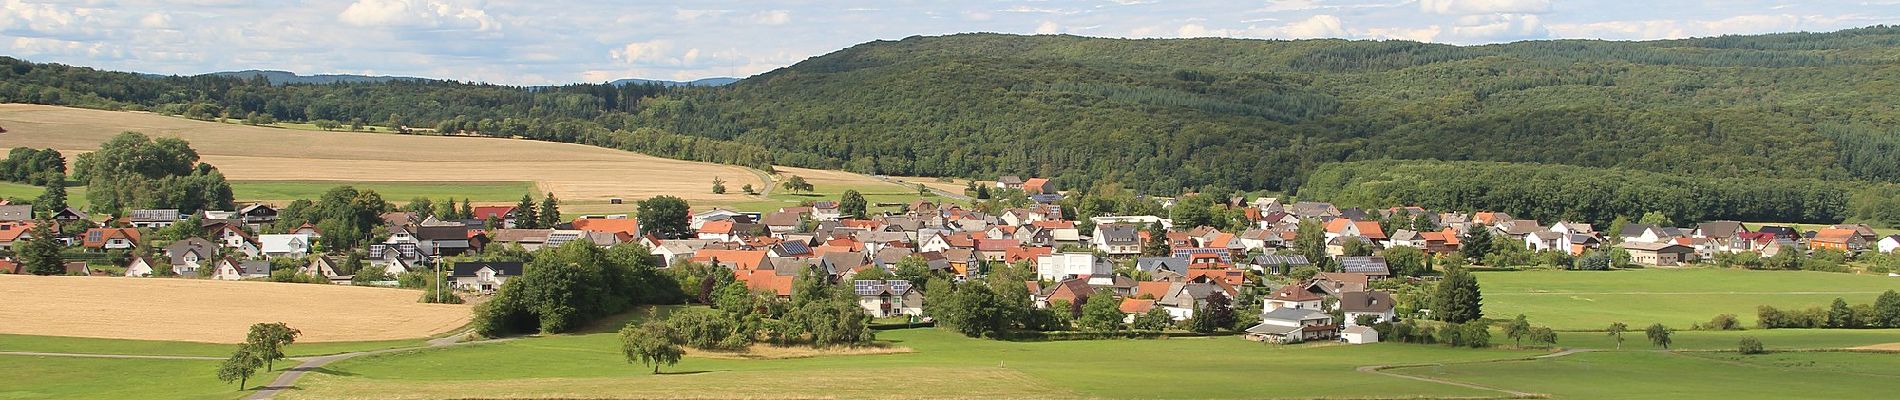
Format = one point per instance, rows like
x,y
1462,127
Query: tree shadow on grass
x,y
328,371
684,372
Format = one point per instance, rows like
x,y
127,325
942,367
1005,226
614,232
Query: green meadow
x,y
1591,300
1666,375
396,192
62,344
34,377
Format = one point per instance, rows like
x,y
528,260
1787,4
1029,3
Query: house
x,y
1644,233
1341,227
102,239
1359,335
1060,266
294,246
1372,266
1847,240
191,254
1117,239
14,232
308,230
1546,241
230,269
258,214
442,239
888,298
721,230
1888,244
153,218
504,214
1718,230
483,276
1659,254
70,214
1156,265
1279,264
1313,210
1292,296
1038,186
1866,232
826,211
1009,182
1133,307
322,266
138,266
16,213
1293,325
1376,304
1781,232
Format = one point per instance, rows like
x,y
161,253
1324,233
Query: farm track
x,y
1512,394
288,380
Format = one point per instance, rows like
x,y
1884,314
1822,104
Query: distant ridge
x,y
720,81
287,77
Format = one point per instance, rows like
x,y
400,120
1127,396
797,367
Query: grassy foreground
x,y
1591,300
942,364
1662,375
32,377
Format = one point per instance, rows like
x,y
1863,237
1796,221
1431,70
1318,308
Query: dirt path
x,y
290,376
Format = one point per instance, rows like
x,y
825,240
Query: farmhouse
x,y
1659,254
483,276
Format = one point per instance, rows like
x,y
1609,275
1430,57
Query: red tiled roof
x,y
497,212
1155,289
718,227
1137,306
1835,235
1053,224
1019,254
107,234
997,244
740,259
628,226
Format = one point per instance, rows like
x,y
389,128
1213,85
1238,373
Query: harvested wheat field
x,y
199,310
248,153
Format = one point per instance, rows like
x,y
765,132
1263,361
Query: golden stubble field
x,y
199,310
246,153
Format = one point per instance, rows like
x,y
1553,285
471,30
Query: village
x,y
1332,283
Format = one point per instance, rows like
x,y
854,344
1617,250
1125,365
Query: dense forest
x,y
1162,116
1556,192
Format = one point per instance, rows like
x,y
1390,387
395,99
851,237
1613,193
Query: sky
x,y
538,42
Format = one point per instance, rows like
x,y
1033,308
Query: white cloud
x,y
1048,28
1467,7
774,17
1318,26
156,21
1677,29
1496,28
644,52
431,14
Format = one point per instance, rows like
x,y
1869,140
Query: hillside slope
x,y
1163,116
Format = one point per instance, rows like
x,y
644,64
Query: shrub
x,y
1750,345
1724,322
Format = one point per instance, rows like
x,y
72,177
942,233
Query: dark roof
x,y
449,232
1780,231
154,215
1150,264
1374,301
876,287
503,268
1373,265
1119,233
791,247
1633,230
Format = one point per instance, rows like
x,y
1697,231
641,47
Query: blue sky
x,y
532,42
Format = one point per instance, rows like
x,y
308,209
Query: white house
x,y
483,276
228,269
1118,239
1292,296
138,267
888,298
295,246
1378,305
1293,325
1888,244
1056,267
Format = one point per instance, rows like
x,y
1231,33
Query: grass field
x,y
1774,339
198,310
32,377
1657,375
942,365
74,195
249,153
1585,300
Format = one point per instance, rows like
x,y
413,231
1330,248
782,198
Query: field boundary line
x,y
1513,394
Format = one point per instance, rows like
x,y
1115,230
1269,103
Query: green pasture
x,y
1591,300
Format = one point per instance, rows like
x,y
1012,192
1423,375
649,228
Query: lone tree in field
x,y
267,341
664,216
1517,329
797,184
240,367
852,204
1616,332
1543,335
719,185
1658,335
650,344
40,255
1457,298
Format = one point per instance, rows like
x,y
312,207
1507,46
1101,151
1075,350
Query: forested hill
x,y
1164,115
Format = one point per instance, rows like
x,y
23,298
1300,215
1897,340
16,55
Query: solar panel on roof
x,y
899,286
